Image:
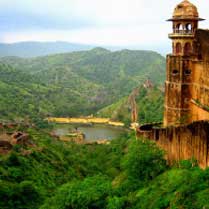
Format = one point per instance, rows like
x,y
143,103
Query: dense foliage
x,y
73,84
127,173
43,168
149,104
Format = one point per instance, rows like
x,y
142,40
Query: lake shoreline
x,y
92,132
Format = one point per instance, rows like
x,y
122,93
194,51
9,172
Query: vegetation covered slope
x,y
29,175
72,84
127,173
23,96
149,105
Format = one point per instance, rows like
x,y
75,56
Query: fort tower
x,y
185,131
178,85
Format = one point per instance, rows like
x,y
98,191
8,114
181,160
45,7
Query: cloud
x,y
100,12
116,36
21,21
101,22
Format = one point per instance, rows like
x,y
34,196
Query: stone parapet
x,y
181,142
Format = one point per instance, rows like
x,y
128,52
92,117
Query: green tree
x,y
92,192
144,161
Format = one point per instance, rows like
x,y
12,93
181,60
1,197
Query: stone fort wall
x,y
199,104
187,84
182,142
200,91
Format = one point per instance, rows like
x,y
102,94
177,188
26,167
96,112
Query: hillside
x,y
72,84
34,49
23,96
39,171
46,173
149,106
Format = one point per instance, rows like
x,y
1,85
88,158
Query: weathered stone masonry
x,y
182,142
184,133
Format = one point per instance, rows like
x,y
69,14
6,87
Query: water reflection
x,y
94,132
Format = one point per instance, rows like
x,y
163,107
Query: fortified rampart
x,y
186,91
182,142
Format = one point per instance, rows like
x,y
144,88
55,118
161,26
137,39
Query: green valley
x,y
92,117
40,171
127,173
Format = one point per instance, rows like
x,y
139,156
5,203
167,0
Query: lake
x,y
92,132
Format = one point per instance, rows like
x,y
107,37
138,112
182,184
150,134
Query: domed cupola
x,y
185,10
185,23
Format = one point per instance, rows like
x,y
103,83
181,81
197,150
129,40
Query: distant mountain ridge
x,y
35,49
29,49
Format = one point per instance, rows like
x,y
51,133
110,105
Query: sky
x,y
136,24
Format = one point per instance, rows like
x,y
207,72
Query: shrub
x,y
92,192
144,161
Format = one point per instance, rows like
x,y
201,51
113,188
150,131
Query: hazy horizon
x,y
133,24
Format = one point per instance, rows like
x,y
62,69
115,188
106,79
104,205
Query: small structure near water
x,y
79,138
75,136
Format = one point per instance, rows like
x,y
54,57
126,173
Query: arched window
x,y
187,72
188,27
179,28
187,49
178,48
175,72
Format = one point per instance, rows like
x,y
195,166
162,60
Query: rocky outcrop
x,y
148,84
8,140
20,138
5,146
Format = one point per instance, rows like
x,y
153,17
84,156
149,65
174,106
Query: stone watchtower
x,y
179,80
185,132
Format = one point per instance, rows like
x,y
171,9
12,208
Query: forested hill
x,y
72,84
